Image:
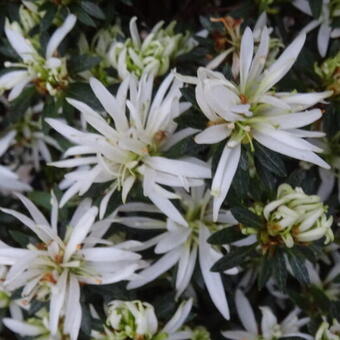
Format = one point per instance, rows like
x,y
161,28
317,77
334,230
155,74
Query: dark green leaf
x,y
83,16
246,217
92,9
47,19
297,263
83,92
41,198
19,237
227,235
280,272
234,258
21,104
270,160
316,7
265,271
82,63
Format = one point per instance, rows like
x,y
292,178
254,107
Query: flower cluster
x,y
175,180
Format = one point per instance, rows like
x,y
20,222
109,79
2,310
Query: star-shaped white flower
x,y
183,245
9,180
131,147
270,328
54,268
330,9
251,109
48,72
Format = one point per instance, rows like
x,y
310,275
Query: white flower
x,y
328,285
137,320
54,268
184,244
48,73
330,178
36,326
153,54
329,11
132,147
270,328
252,110
9,181
327,331
233,37
32,144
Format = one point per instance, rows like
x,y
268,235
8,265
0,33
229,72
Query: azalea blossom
x,y
152,54
9,180
133,147
270,329
183,244
330,10
53,269
48,73
251,110
137,320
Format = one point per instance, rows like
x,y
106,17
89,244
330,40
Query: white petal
x,y
156,269
58,36
246,56
79,232
323,38
245,312
213,281
213,134
21,45
179,317
224,175
23,328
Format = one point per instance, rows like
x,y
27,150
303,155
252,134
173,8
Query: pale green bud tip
x,y
297,217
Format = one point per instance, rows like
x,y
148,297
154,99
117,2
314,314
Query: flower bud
x,y
297,218
132,319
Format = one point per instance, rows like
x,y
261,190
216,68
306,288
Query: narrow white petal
x,y
213,281
156,269
323,38
58,36
246,56
79,232
224,175
245,312
213,134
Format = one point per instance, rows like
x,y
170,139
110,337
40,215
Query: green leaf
x,y
234,258
47,19
265,271
41,199
92,9
280,272
246,217
83,92
19,237
21,104
270,160
297,263
82,63
227,235
316,7
83,16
